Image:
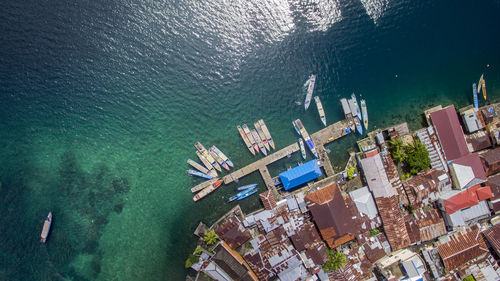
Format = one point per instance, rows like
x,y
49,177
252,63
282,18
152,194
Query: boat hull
x,y
302,149
321,111
199,174
243,194
246,186
207,190
245,140
46,228
310,90
474,94
267,134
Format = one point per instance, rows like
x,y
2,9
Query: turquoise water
x,y
102,102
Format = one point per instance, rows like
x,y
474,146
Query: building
x,y
233,232
300,174
427,136
375,175
449,132
227,265
478,141
472,120
461,247
268,200
491,161
402,265
494,183
363,199
424,225
424,188
492,236
467,171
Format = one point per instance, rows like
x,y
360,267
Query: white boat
x,y
302,148
306,137
256,137
245,140
310,90
266,133
364,112
250,138
202,169
262,135
203,185
320,110
46,228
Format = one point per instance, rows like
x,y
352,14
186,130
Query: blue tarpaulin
x,y
300,174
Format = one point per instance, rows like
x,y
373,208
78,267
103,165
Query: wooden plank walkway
x,y
261,165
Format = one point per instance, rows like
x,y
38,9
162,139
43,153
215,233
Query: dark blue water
x,y
102,101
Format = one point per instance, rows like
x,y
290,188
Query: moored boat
x,y
245,140
250,138
483,87
480,83
199,174
359,127
302,148
474,93
222,156
261,135
255,135
364,112
202,169
320,110
243,194
218,159
310,90
296,127
207,155
207,190
356,114
247,186
205,162
306,137
46,228
203,185
347,113
266,133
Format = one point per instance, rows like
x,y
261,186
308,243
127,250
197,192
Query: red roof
x,y
467,198
450,133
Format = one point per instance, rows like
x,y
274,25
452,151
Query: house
x,y
494,183
375,175
423,188
461,247
427,137
478,141
300,174
465,207
467,171
424,225
393,222
449,132
227,264
337,221
268,200
233,232
491,161
492,236
402,265
472,120
363,199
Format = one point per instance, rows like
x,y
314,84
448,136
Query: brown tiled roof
x,y
450,133
268,200
305,237
481,142
462,247
424,226
276,236
233,232
492,234
233,267
394,225
494,183
259,265
491,161
317,253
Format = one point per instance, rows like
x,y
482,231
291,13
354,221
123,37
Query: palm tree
x,y
397,150
210,237
335,261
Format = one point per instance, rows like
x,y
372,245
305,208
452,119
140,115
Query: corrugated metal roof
x,y
376,177
300,174
450,132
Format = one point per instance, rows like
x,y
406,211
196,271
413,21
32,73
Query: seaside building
x,y
227,265
472,120
478,141
427,136
268,200
449,132
300,174
233,232
467,171
424,188
491,161
363,199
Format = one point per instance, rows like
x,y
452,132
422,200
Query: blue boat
x,y
474,92
243,194
296,127
247,186
199,174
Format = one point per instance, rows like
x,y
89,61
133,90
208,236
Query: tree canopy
x,y
192,259
210,237
336,260
414,157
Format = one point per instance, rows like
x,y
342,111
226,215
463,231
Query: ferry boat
x,y
223,156
310,90
262,135
199,174
256,137
243,194
203,185
250,138
245,140
207,155
320,110
364,112
302,148
218,159
202,169
474,93
246,186
207,190
46,228
266,133
306,137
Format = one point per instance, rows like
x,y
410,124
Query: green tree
x,y
198,251
417,157
192,259
469,278
374,232
335,261
210,237
350,172
397,149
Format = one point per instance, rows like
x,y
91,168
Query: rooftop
x,y
468,171
300,174
449,132
376,176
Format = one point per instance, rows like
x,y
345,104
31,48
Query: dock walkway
x,y
325,136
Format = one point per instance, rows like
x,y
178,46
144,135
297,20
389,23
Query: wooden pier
x,y
320,138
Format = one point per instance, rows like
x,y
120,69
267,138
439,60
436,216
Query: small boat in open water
x,y
320,110
302,148
474,93
46,228
207,190
266,133
199,174
364,112
310,90
222,156
243,194
246,186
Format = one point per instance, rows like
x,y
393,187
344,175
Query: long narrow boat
x,y
46,228
347,113
207,190
364,112
357,116
203,185
246,186
302,149
218,159
222,156
245,140
480,83
243,194
207,155
250,138
320,110
202,169
266,133
474,93
306,137
262,135
199,174
204,161
256,137
484,87
310,90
